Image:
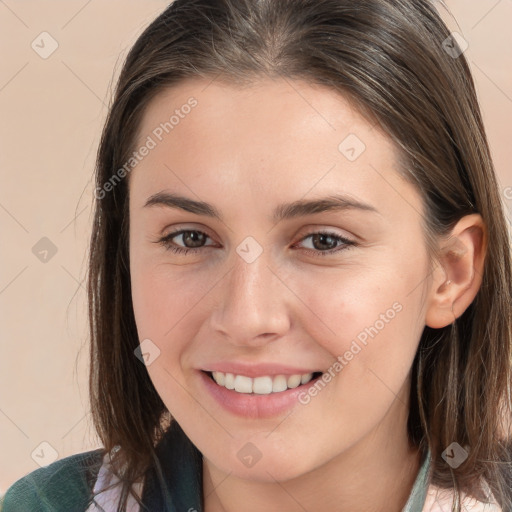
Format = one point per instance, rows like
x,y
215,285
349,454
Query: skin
x,y
246,151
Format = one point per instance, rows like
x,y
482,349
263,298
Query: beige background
x,y
52,111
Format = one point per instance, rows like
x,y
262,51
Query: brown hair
x,y
387,57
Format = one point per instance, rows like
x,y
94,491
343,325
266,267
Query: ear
x,y
457,279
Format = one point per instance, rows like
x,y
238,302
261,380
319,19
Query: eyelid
x,y
330,230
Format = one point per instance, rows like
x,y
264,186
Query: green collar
x,y
418,494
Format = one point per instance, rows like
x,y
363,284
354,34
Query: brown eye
x,y
325,243
192,240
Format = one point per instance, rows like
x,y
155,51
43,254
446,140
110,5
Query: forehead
x,y
274,137
262,109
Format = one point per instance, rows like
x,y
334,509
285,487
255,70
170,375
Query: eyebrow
x,y
285,211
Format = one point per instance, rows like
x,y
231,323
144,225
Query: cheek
x,y
161,294
157,300
370,322
166,303
344,305
164,306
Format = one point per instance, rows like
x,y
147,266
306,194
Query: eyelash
x,y
166,242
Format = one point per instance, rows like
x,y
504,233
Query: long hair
x,y
390,59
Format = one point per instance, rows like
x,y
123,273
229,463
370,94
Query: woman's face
x,y
276,285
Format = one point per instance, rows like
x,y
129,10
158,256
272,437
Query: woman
x,y
300,271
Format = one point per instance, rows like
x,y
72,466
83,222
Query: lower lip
x,y
250,405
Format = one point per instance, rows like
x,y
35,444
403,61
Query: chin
x,y
269,471
267,465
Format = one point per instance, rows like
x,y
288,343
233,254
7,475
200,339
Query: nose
x,y
254,304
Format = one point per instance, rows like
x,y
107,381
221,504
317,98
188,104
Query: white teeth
x,y
229,380
219,378
306,378
243,384
260,385
279,383
294,381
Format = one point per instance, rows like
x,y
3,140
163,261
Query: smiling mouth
x,y
264,385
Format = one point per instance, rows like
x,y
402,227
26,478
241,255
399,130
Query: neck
x,y
376,475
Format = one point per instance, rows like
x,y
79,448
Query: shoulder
x,y
440,500
64,485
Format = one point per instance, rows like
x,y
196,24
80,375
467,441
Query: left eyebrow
x,y
283,211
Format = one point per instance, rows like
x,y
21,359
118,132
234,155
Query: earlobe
x,y
458,278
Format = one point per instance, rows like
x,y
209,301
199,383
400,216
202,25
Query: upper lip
x,y
257,370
